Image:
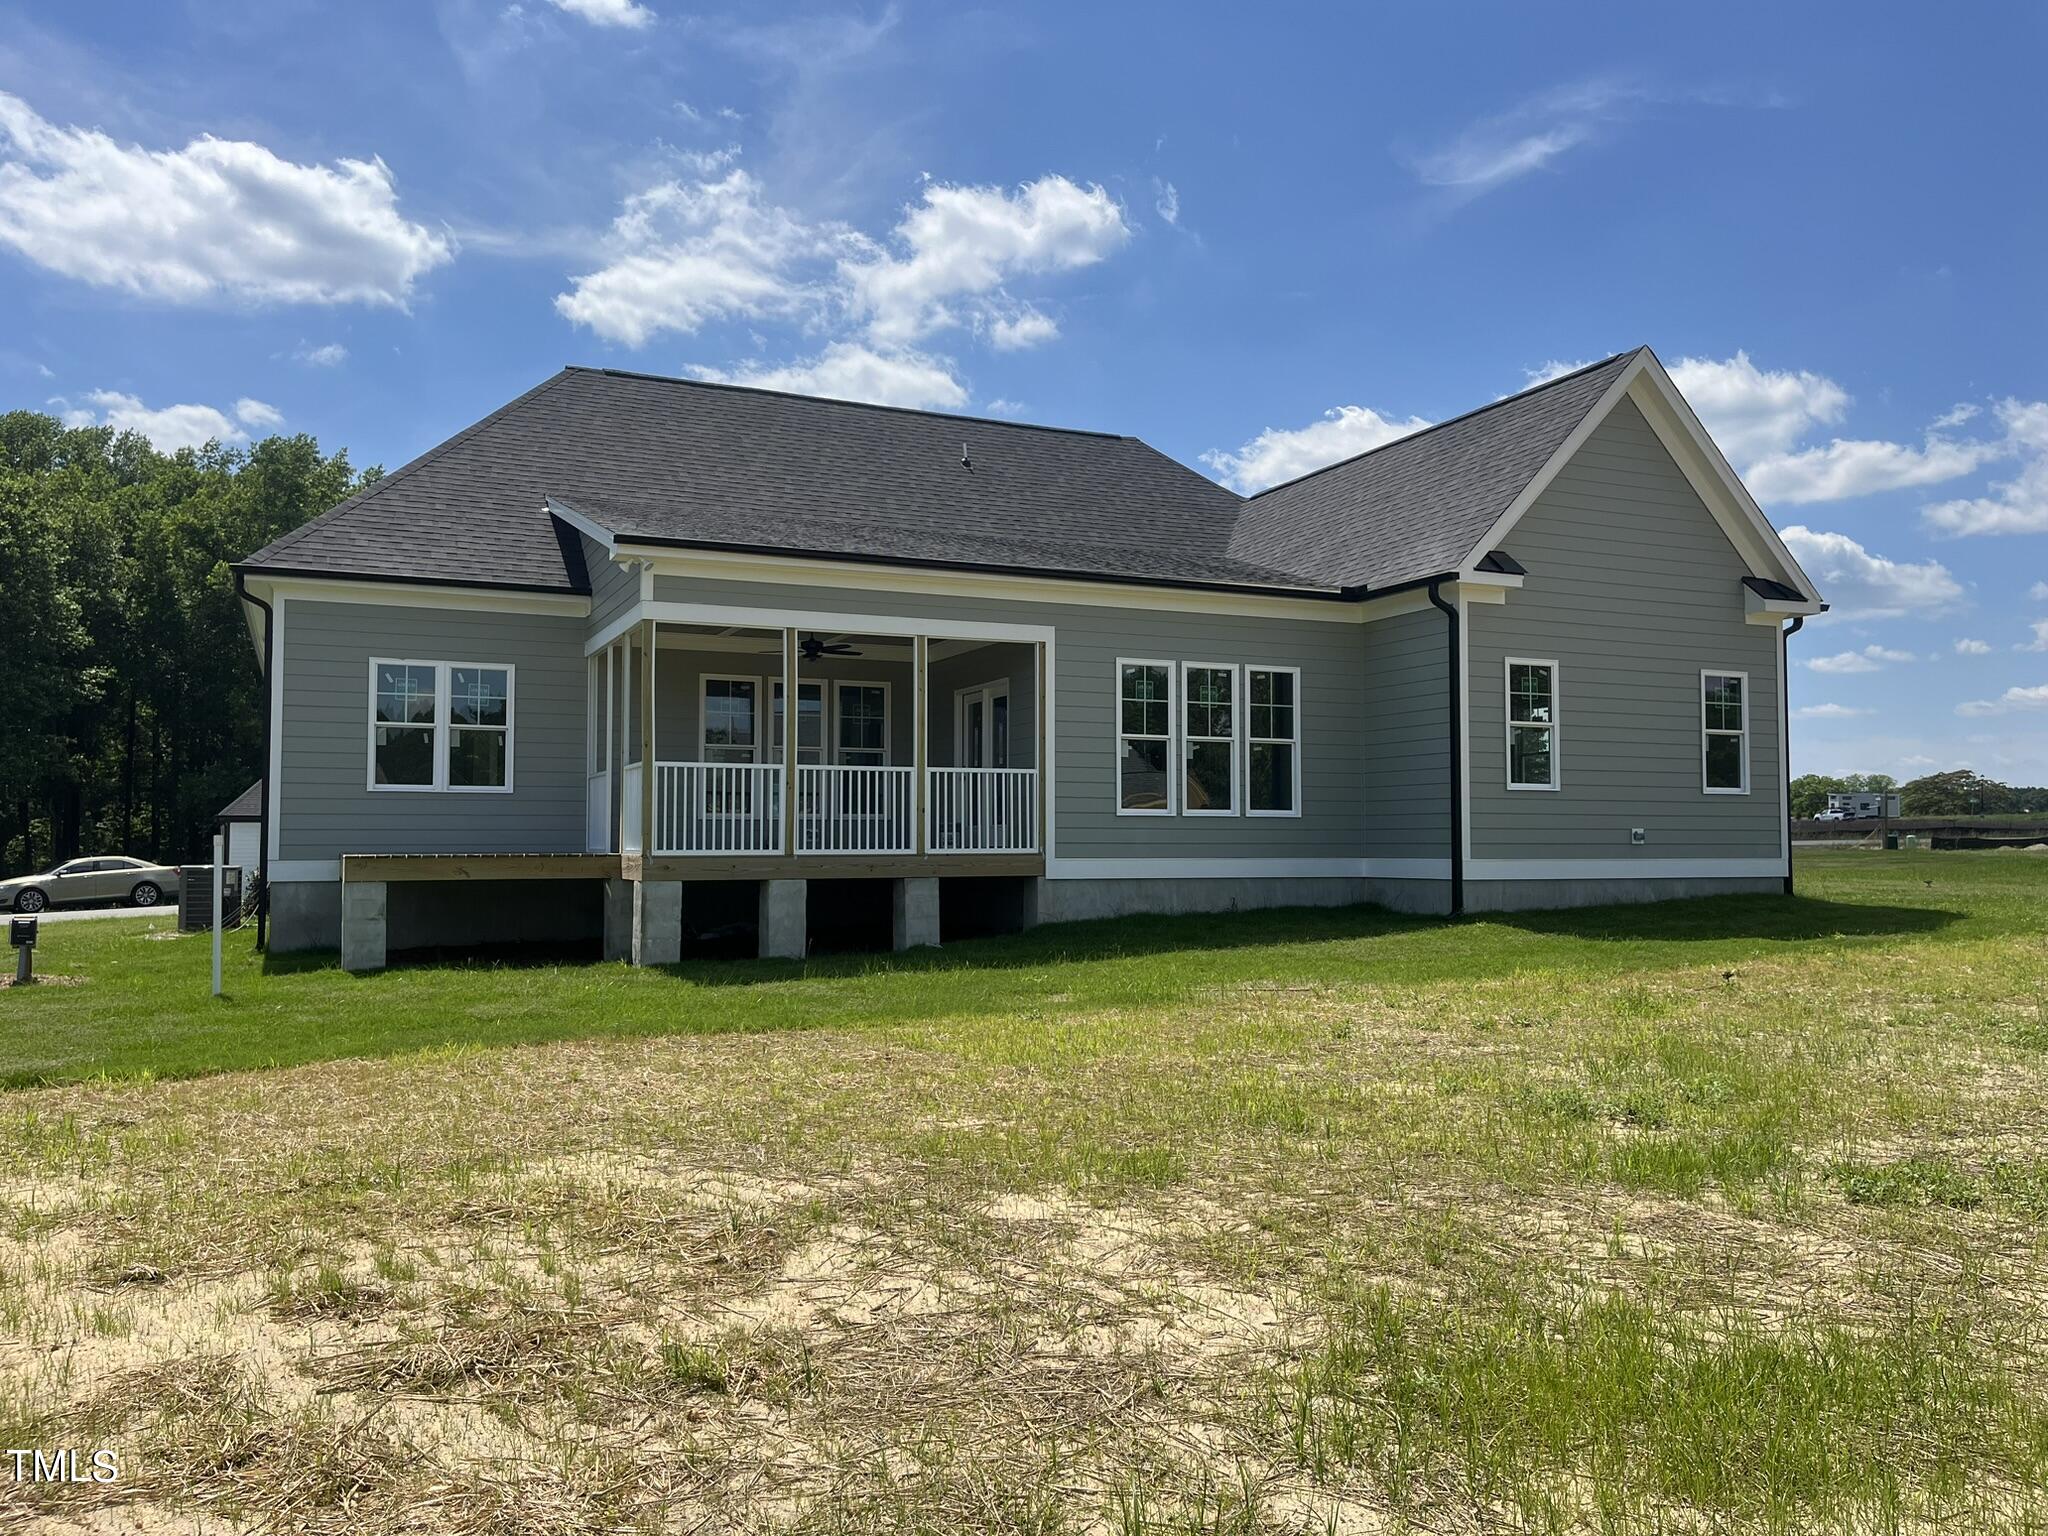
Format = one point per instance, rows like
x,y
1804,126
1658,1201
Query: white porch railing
x,y
847,809
981,810
728,808
629,808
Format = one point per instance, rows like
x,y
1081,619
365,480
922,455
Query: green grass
x,y
1719,1215
145,1009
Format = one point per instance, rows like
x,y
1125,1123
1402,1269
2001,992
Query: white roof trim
x,y
1699,460
595,532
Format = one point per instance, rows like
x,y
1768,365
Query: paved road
x,y
79,914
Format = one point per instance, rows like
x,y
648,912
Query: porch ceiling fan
x,y
811,647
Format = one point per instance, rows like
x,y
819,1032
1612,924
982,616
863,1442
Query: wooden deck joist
x,y
479,866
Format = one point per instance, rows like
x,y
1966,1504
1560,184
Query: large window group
x,y
1205,738
440,725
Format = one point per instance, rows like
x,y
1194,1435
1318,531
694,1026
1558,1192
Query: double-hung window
x,y
1209,787
810,723
1532,723
1724,733
862,724
1144,705
1273,741
731,719
440,725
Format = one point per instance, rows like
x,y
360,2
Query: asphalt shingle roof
x,y
675,461
1417,506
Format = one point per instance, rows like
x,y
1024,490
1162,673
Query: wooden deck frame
x,y
393,867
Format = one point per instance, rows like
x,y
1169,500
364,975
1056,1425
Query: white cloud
x,y
1846,468
1527,138
1752,413
1955,416
329,355
2018,505
172,427
1871,658
2040,640
1543,373
685,253
959,246
1828,712
848,371
1166,201
712,247
1026,328
1280,454
1966,647
2014,698
1859,584
607,13
218,219
1001,407
2039,592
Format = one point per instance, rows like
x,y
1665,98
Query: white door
x,y
981,727
597,782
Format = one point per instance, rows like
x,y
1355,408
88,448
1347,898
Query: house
x,y
538,682
240,822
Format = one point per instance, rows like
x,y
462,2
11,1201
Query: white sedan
x,y
89,880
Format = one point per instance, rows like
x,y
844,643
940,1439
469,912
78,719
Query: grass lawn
x,y
1717,1215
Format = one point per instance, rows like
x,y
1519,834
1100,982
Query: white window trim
x,y
1240,775
833,685
1705,673
1116,777
1509,723
763,710
1250,740
444,729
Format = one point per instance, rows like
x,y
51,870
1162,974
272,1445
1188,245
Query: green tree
x,y
1959,792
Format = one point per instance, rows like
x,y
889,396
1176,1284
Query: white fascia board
x,y
711,564
1770,610
595,532
291,871
389,594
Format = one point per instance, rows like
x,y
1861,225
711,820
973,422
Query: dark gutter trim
x,y
269,702
294,573
1785,733
1457,753
627,542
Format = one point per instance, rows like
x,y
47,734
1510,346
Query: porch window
x,y
1273,751
1724,732
729,719
1144,738
810,723
440,725
1210,727
863,724
1532,724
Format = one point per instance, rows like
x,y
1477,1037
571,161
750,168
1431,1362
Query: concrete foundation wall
x,y
1066,901
1536,895
305,914
422,914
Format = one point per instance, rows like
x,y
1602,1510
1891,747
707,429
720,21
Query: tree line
x,y
1958,792
131,701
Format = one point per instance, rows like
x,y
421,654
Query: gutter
x,y
1785,733
263,815
1457,741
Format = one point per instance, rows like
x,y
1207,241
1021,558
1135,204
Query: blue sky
x,y
1256,237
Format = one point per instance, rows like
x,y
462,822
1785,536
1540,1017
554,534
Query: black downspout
x,y
1785,733
263,822
1457,753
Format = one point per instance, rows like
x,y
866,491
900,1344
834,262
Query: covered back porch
x,y
911,752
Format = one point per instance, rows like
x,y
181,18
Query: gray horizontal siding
x,y
325,807
1632,588
613,589
1088,641
1406,741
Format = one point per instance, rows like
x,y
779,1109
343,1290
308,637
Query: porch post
x,y
792,728
920,646
648,844
1038,756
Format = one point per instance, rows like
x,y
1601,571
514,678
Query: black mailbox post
x,y
21,933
